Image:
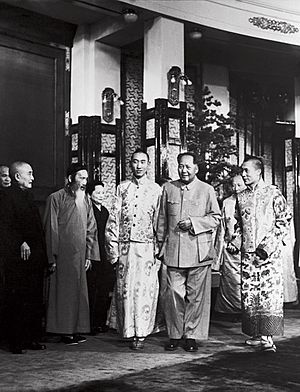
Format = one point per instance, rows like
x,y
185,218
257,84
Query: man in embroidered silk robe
x,y
189,214
71,237
264,220
130,236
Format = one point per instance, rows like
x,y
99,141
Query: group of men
x,y
65,248
146,225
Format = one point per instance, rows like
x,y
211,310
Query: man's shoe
x,y
172,345
69,340
254,341
102,329
17,350
36,346
268,348
80,339
190,345
137,344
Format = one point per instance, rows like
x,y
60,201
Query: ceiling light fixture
x,y
129,15
195,34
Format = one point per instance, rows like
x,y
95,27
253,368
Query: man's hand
x,y
52,268
232,249
25,251
88,264
185,224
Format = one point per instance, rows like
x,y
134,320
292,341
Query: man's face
x,y
24,176
251,175
187,169
80,179
5,180
139,164
98,194
238,184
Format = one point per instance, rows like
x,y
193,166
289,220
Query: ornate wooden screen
x,y
164,137
99,147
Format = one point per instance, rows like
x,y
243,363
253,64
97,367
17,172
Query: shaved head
x,y
22,174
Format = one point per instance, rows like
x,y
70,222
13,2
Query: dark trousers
x,y
23,307
100,279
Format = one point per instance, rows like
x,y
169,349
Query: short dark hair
x,y
257,161
187,153
140,151
91,186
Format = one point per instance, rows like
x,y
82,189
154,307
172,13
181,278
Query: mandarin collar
x,y
139,181
261,184
188,186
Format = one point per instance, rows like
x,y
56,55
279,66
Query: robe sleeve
x,y
92,247
210,221
237,238
113,229
281,227
162,221
155,221
51,228
219,243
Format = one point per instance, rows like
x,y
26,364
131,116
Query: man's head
x,y
77,176
139,163
22,174
96,190
252,170
187,167
5,180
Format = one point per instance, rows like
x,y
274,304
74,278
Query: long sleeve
x,y
162,220
219,244
92,246
51,228
280,229
113,229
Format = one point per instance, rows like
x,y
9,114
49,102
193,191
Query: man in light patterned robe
x,y
131,243
264,219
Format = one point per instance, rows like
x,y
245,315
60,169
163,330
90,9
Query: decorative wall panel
x,y
108,143
174,128
132,86
151,170
172,161
150,130
108,177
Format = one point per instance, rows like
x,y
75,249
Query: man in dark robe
x,y
24,253
5,182
71,237
101,275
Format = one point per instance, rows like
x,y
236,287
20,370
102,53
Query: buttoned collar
x,y
139,181
189,186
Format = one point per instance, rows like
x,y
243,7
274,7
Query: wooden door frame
x,y
61,57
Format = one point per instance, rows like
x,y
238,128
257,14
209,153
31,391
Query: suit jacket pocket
x,y
173,207
206,250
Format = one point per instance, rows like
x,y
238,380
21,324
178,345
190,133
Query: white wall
x,y
216,78
94,67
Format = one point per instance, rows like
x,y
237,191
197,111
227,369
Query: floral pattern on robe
x,y
131,241
264,219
